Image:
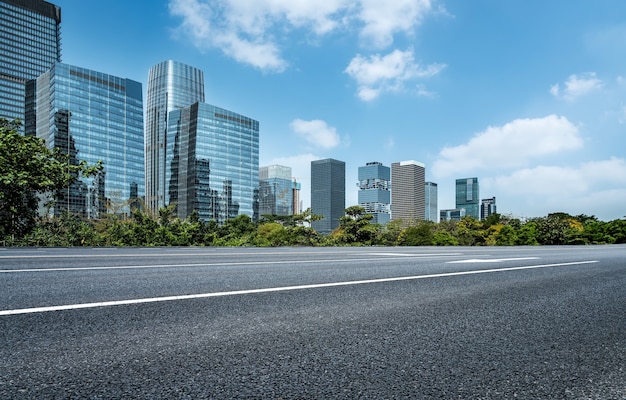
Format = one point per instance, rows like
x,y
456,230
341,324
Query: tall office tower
x,y
430,189
212,163
328,193
374,194
467,196
91,116
487,208
30,39
275,190
407,191
171,86
295,194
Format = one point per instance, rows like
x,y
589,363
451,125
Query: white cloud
x,y
252,32
512,145
316,132
596,187
377,74
577,86
213,24
384,18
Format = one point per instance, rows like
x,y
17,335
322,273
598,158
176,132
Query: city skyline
x,y
531,103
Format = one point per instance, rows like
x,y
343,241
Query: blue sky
x,y
527,95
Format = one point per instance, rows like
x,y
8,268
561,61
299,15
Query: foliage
x,y
271,234
28,169
389,234
355,229
421,234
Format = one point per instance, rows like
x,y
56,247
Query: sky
x,y
527,95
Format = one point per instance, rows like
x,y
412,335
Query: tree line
x,y
355,229
29,169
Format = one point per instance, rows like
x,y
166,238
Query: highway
x,y
314,323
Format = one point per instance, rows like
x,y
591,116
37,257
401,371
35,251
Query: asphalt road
x,y
311,323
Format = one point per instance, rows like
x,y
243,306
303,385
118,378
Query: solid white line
x,y
349,260
491,260
275,289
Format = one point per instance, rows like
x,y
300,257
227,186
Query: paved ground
x,y
491,323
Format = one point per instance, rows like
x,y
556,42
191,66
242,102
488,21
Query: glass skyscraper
x,y
275,190
328,193
407,191
374,191
91,116
171,86
30,40
467,196
212,163
430,195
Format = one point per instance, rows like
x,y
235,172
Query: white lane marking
x,y
349,260
276,289
491,260
417,254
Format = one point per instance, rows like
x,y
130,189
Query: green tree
x,y
28,169
444,238
469,232
553,229
506,236
355,227
420,234
238,231
389,233
302,236
527,234
271,234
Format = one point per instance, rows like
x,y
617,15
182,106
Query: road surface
x,y
310,323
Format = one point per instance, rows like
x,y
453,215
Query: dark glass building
x,y
30,43
328,193
91,116
467,196
487,208
171,86
212,163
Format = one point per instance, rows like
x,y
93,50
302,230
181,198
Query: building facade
x,y
487,208
296,187
275,190
374,191
467,196
212,163
30,39
408,201
430,194
454,214
328,193
171,86
91,116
